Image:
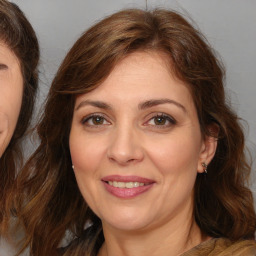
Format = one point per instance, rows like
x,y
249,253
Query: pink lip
x,y
127,192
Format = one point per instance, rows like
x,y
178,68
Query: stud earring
x,y
205,167
73,167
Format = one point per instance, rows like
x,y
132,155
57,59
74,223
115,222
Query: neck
x,y
172,239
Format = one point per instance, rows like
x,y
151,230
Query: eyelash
x,y
85,120
166,118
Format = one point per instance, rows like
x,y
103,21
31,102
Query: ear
x,y
208,149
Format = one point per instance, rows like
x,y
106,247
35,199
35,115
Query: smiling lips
x,y
127,186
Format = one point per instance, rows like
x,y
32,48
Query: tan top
x,y
223,247
213,247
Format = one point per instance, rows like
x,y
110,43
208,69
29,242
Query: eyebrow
x,y
97,104
144,105
155,102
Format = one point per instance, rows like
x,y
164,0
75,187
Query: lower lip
x,y
127,192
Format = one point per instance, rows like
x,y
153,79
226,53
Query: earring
x,y
205,167
73,167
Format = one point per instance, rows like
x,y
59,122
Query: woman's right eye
x,y
95,120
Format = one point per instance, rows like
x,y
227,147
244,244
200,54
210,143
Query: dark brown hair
x,y
17,33
223,205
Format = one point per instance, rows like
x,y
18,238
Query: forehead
x,y
7,55
141,75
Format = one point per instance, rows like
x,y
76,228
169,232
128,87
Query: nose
x,y
125,147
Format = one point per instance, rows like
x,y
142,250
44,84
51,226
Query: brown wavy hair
x,y
49,201
17,33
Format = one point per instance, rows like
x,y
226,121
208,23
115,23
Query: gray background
x,y
229,26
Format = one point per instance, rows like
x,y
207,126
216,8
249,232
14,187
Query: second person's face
x,y
11,90
136,145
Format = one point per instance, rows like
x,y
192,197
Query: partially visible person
x,y
139,152
19,57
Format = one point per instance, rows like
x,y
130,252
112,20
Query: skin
x,y
11,90
126,139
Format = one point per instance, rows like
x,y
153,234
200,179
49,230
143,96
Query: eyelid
x,y
88,117
3,66
168,117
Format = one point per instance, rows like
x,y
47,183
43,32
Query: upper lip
x,y
127,179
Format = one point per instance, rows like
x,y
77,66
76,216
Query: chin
x,y
128,227
127,221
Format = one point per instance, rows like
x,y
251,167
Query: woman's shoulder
x,y
242,247
223,247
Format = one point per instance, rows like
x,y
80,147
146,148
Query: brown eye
x,y
94,120
160,120
97,120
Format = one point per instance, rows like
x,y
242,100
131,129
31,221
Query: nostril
x,y
124,150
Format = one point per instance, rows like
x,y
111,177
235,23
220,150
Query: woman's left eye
x,y
161,120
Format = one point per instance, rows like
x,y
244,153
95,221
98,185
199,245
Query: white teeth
x,y
137,184
129,185
118,184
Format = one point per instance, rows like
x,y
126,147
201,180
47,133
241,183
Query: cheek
x,y
3,132
14,108
10,105
86,157
85,153
176,160
11,93
176,154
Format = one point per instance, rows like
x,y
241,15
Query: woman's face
x,y
11,90
136,145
